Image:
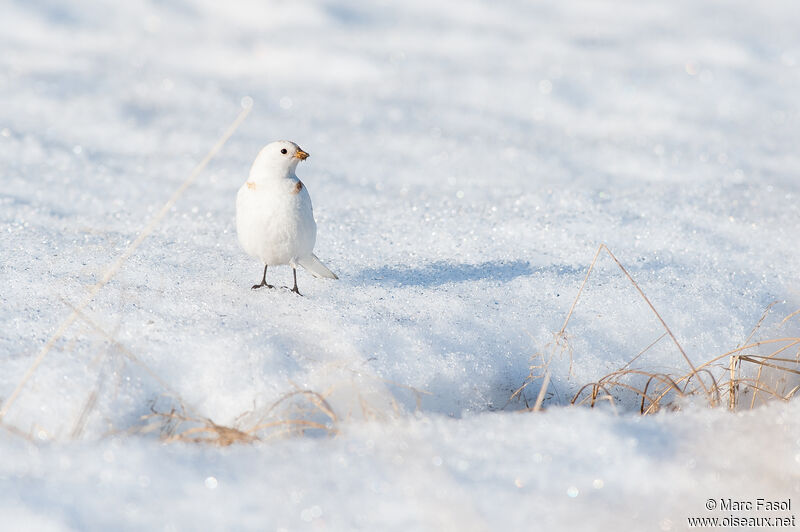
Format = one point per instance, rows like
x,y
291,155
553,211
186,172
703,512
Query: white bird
x,y
274,218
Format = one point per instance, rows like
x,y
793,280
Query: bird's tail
x,y
315,266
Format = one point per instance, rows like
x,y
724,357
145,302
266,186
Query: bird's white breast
x,y
275,220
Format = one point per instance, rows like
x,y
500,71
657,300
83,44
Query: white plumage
x,y
274,217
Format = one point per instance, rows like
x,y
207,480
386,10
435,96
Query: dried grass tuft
x,y
301,412
759,369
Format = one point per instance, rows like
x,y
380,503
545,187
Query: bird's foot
x,y
295,290
257,286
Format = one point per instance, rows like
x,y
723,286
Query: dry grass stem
x,y
657,390
296,412
118,263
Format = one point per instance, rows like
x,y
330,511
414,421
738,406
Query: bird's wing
x,y
315,266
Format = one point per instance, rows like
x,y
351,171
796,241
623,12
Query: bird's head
x,y
279,157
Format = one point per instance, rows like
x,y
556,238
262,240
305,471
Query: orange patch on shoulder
x,y
251,185
297,188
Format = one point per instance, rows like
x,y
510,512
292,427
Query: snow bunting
x,y
274,218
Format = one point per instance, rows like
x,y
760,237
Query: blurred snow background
x,y
467,160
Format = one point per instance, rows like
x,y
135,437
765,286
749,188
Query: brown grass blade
x,y
117,265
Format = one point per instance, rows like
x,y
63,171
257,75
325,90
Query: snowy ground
x,y
467,160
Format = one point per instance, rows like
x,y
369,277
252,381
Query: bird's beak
x,y
301,154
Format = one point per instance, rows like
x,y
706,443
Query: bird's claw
x,y
257,286
295,290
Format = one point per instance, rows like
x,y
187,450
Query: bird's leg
x,y
294,289
263,280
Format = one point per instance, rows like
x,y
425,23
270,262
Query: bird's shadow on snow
x,y
442,272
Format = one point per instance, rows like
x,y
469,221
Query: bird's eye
x,y
283,151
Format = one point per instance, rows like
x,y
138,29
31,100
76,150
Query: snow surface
x,y
467,159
